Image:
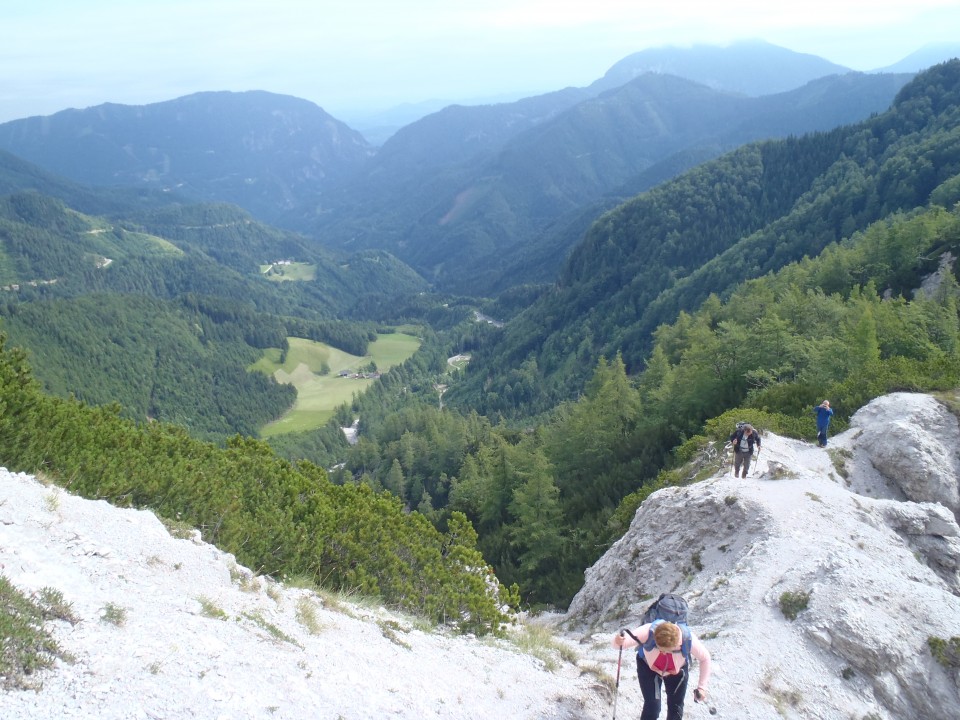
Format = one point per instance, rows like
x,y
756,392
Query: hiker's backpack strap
x,y
686,645
651,642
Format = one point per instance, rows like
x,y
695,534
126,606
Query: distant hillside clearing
x,y
319,393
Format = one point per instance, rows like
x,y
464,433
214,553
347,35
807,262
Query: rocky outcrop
x,y
913,442
930,530
861,538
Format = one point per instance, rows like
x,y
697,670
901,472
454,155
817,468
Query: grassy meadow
x,y
290,272
318,395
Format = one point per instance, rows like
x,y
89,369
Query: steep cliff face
x,y
864,533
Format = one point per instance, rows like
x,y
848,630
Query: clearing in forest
x,y
315,368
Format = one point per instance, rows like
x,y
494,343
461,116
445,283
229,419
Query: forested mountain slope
x,y
821,104
464,223
164,314
745,214
467,195
18,175
546,496
262,151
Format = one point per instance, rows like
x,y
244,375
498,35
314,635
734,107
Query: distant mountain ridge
x,y
476,198
254,149
750,67
747,213
925,57
465,222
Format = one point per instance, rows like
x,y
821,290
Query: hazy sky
x,y
353,55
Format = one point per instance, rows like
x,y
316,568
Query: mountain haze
x,y
760,67
925,57
463,222
750,67
254,149
474,198
18,175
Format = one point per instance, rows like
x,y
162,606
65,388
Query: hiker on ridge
x,y
664,664
824,413
743,439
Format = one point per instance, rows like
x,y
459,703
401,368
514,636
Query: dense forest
x,y
473,193
550,489
547,500
745,214
164,316
750,287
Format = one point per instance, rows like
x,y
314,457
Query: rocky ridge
x,y
864,532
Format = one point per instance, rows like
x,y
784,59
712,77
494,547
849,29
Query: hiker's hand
x,y
700,695
618,639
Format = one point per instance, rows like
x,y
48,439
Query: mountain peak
x,y
925,57
749,67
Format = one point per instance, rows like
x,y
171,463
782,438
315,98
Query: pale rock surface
x,y
881,570
913,444
172,661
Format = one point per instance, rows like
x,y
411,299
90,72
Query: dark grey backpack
x,y
669,607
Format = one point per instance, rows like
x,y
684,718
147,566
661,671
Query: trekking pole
x,y
698,698
616,692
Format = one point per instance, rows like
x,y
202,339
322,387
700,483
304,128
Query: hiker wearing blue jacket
x,y
824,413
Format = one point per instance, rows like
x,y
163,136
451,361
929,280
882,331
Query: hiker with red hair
x,y
663,665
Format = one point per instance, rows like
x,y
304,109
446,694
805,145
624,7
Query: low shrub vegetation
x,y
114,614
28,646
946,652
792,603
279,517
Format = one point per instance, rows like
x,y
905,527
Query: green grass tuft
x,y
27,646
